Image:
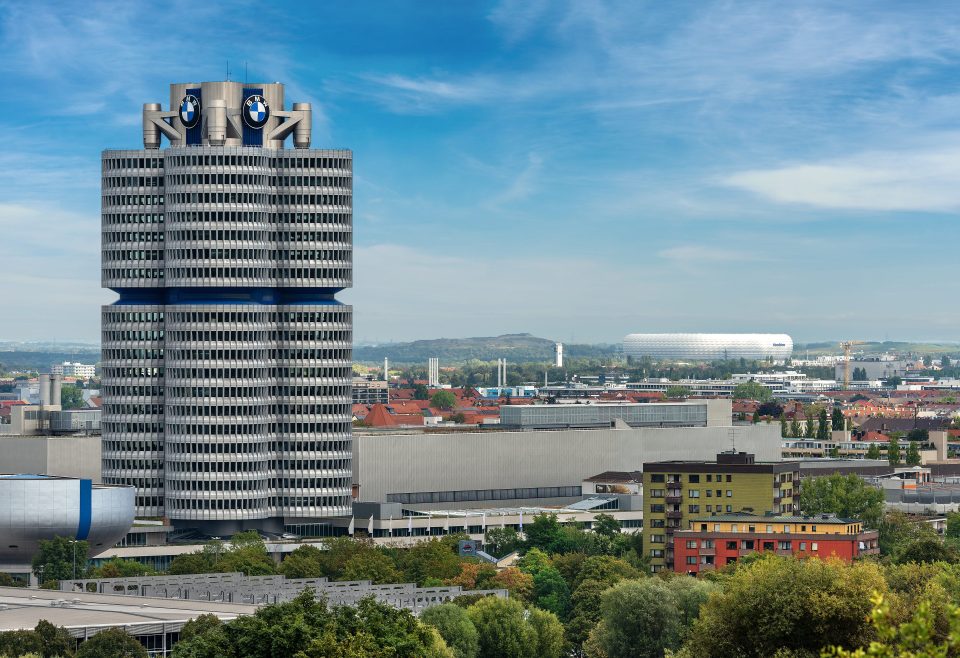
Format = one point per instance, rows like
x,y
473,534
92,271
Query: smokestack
x,y
44,390
56,381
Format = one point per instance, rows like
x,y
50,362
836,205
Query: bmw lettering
x,y
255,111
190,111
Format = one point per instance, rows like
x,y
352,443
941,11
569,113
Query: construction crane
x,y
847,345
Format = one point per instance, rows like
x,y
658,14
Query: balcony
x,y
707,551
674,485
674,515
674,500
743,552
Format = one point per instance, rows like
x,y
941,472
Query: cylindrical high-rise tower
x,y
227,358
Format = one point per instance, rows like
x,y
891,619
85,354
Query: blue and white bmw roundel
x,y
255,111
189,111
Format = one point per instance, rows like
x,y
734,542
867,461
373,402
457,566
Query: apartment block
x,y
677,491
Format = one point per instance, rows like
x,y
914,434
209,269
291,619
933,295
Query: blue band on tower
x,y
86,509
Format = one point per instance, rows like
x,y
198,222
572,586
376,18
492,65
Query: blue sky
x,y
576,170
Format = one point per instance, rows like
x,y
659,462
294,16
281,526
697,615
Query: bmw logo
x,y
255,111
189,111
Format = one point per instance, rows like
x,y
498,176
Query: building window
x,y
694,479
729,493
656,552
693,509
691,543
656,493
729,508
656,539
709,493
691,559
813,546
729,478
769,528
656,477
694,493
803,546
656,509
709,477
709,508
784,545
731,545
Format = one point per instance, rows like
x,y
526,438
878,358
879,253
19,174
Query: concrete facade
x,y
485,468
63,456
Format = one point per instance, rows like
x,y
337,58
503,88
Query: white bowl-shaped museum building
x,y
35,507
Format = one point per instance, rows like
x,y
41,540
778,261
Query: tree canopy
x,y
752,391
847,496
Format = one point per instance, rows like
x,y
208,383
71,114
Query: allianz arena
x,y
708,347
35,507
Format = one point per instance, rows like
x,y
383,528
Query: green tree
x,y
677,392
873,452
304,562
784,429
928,549
443,399
421,392
544,532
837,422
752,390
755,418
503,629
113,642
71,397
777,606
945,361
455,627
893,382
639,618
795,430
823,428
914,638
121,568
913,454
847,496
551,591
501,541
953,526
373,566
548,632
897,531
435,559
18,643
248,555
56,642
605,525
893,451
60,558
811,428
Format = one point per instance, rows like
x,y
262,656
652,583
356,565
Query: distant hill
x,y
516,348
40,361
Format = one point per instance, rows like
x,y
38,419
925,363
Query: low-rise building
x,y
716,541
676,491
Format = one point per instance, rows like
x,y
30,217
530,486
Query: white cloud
x,y
693,254
921,180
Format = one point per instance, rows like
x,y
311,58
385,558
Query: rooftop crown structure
x,y
227,358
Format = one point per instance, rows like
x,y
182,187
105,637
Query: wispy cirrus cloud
x,y
923,180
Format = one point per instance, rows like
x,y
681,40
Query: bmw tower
x,y
226,358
